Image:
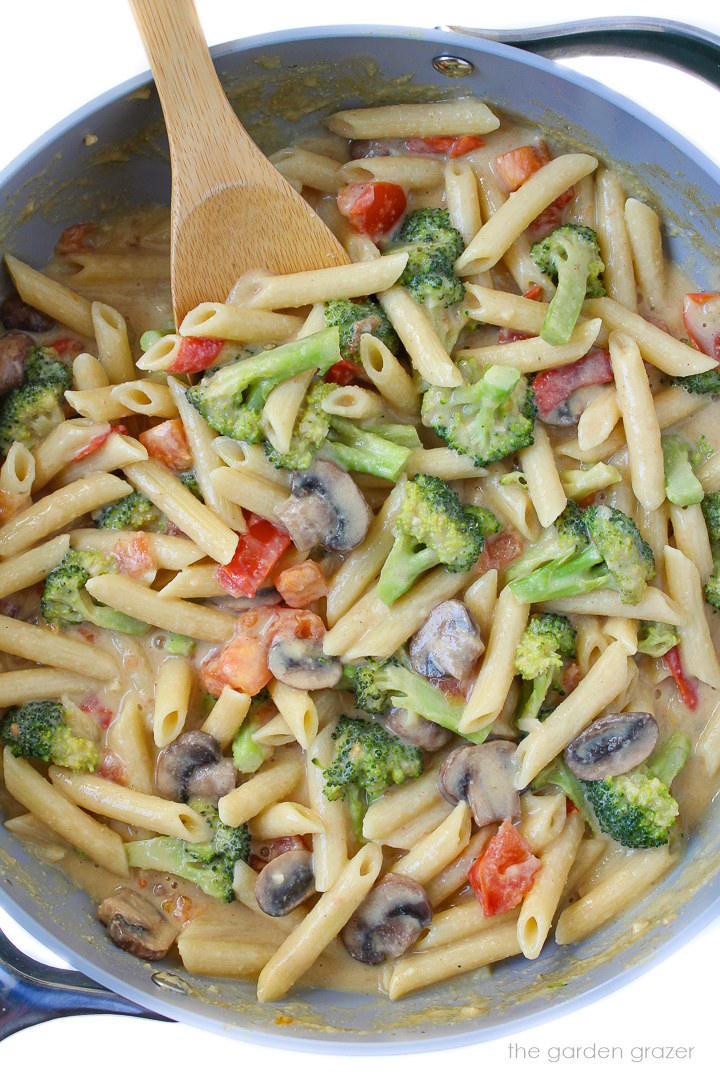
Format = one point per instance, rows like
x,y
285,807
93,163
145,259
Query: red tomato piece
x,y
504,872
499,551
534,293
98,441
506,335
555,385
242,665
134,556
687,688
112,767
516,166
256,553
372,208
74,239
302,584
67,346
465,144
451,145
701,315
343,373
195,354
168,444
94,706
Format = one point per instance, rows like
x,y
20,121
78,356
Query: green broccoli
x,y
711,512
360,449
432,528
581,483
707,382
41,730
189,479
311,428
65,601
180,645
548,641
247,754
133,512
655,638
208,865
557,773
354,320
682,486
488,419
381,685
232,399
637,809
567,536
616,557
367,761
31,410
570,255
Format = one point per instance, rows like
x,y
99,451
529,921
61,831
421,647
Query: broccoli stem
x,y
563,577
400,434
247,755
558,773
670,758
363,451
319,350
406,561
536,692
411,691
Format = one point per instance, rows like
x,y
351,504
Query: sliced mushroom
x,y
389,920
285,882
325,507
192,766
300,662
136,925
416,729
14,350
447,643
612,745
483,776
264,851
17,315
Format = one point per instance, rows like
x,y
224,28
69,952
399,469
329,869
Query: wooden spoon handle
x,y
192,99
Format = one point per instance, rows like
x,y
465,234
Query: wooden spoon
x,y
232,211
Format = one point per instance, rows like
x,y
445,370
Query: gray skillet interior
x,y
283,85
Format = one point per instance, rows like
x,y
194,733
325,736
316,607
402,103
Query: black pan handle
x,y
31,993
678,44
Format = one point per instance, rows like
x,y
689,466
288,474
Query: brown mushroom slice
x,y
136,925
15,314
612,745
325,507
14,351
300,662
447,643
192,766
286,882
390,919
416,729
484,777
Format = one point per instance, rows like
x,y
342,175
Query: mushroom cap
x,y
416,729
325,507
136,925
285,882
390,919
193,766
484,777
447,643
612,745
300,662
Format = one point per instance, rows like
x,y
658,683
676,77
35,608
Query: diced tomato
x,y
343,373
701,315
195,354
99,440
555,385
133,556
264,851
687,688
504,872
499,551
534,293
372,208
94,707
256,553
75,238
570,808
112,767
272,623
67,346
168,444
302,584
571,678
453,146
516,166
506,335
242,665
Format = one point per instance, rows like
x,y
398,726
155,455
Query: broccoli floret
x,y
367,761
208,865
232,399
565,537
488,419
655,638
557,773
570,255
31,410
616,557
354,320
712,585
134,512
682,486
309,432
65,601
711,513
432,528
707,382
637,809
41,730
189,479
359,450
548,641
247,754
580,483
381,685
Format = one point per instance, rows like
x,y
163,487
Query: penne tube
x,y
194,583
434,852
534,354
414,328
458,924
60,447
454,876
657,348
226,716
128,738
463,202
52,298
273,782
354,402
655,606
88,373
696,645
444,463
615,249
307,168
30,567
97,404
55,649
498,669
543,480
40,684
243,324
145,397
691,537
173,687
330,847
542,819
467,116
178,616
168,552
598,419
407,836
297,709
412,172
540,904
333,283
99,268
116,452
286,819
480,600
111,335
642,225
253,493
642,430
388,375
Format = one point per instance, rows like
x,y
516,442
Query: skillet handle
x,y
31,993
680,45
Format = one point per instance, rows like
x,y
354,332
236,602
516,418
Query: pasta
x,y
299,610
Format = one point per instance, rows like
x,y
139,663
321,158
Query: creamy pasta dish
x,y
359,630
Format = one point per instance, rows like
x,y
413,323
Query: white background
x,y
56,55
